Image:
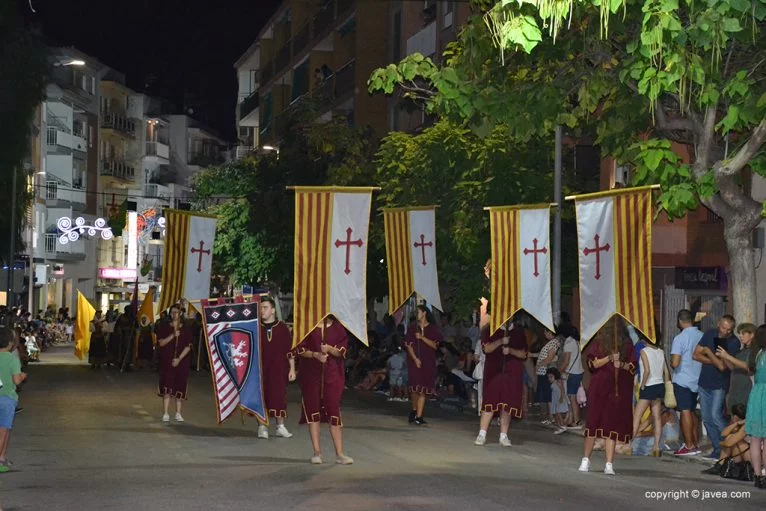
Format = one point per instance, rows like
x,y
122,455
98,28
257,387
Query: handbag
x,y
670,395
582,398
742,471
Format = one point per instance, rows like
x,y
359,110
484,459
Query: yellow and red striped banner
x,y
313,226
505,288
401,283
174,261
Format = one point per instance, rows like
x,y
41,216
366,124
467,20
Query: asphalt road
x,y
92,440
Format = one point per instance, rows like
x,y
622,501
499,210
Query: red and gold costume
x,y
276,345
173,380
422,380
503,374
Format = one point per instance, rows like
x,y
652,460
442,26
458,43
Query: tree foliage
x,y
22,80
641,78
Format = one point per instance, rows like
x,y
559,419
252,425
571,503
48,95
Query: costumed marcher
x,y
121,340
503,379
422,342
145,344
612,362
322,379
277,367
97,351
174,341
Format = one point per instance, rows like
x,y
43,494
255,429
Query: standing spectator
x,y
397,375
686,373
755,422
11,376
654,373
559,407
97,355
714,378
571,372
739,388
612,362
547,356
448,331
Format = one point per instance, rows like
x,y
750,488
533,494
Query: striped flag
x,y
188,259
614,237
520,276
331,227
411,255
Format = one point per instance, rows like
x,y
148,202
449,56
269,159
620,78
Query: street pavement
x,y
93,440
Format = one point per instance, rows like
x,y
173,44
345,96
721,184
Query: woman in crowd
x,y
755,422
545,359
740,385
175,342
654,374
733,441
612,362
422,342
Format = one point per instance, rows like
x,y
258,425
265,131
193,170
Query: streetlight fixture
x,y
271,148
71,62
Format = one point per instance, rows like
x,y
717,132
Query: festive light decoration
x,y
71,232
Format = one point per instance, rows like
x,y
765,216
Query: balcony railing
x,y
205,160
243,150
57,191
157,191
248,105
118,169
119,123
56,251
158,149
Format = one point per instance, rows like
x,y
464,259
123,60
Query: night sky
x,y
179,50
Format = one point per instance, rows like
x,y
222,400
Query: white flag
x,y
423,256
348,261
534,246
199,257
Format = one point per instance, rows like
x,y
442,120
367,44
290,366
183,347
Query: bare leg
x,y
421,405
590,441
5,435
314,435
505,422
179,404
336,432
280,421
574,409
486,420
756,454
638,413
166,403
657,416
414,401
610,446
688,426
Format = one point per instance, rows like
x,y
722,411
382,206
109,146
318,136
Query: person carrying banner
x,y
322,368
174,341
97,355
612,362
277,367
503,379
422,342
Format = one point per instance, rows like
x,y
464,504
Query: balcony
x,y
58,140
248,105
72,251
119,123
302,39
118,169
283,57
156,191
158,149
59,194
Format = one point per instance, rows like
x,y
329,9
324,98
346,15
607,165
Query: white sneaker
x,y
316,460
560,431
505,441
282,431
263,432
165,418
344,460
179,417
609,469
584,465
480,440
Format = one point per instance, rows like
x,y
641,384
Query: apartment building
x,y
64,177
325,50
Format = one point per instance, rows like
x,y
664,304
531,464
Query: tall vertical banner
x,y
411,255
232,339
85,314
188,259
331,230
614,239
520,270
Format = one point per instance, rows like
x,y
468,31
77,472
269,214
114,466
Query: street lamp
x,y
71,62
271,148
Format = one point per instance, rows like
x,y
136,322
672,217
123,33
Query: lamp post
x,y
11,242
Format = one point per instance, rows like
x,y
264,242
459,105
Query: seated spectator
x,y
734,443
397,375
643,442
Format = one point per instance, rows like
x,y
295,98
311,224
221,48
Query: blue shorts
x,y
652,392
7,412
573,383
685,398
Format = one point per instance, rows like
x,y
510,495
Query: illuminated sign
x,y
71,232
117,273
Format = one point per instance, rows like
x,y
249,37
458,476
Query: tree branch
x,y
676,124
746,152
701,164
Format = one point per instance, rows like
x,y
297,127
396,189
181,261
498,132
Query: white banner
x,y
595,242
199,258
535,276
423,250
348,261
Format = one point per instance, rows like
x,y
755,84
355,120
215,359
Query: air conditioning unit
x,y
622,175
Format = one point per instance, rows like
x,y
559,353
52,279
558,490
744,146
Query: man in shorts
x,y
686,373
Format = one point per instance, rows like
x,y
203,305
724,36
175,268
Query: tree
x,y
657,74
22,81
256,212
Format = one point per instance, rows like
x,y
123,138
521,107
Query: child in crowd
x,y
397,375
559,405
10,376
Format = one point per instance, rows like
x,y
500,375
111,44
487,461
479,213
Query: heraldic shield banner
x,y
232,334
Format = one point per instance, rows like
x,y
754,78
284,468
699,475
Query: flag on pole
x,y
614,239
145,314
232,339
331,226
85,314
411,255
188,260
520,276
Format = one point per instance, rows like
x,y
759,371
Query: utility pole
x,y
11,244
557,198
